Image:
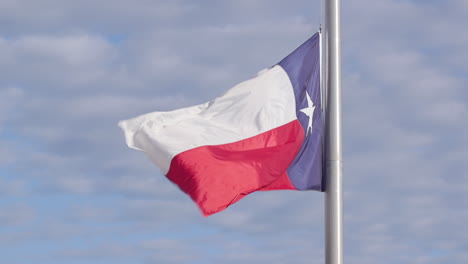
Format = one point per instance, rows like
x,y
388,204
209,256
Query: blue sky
x,y
72,192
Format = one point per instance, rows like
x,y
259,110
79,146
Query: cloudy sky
x,y
72,192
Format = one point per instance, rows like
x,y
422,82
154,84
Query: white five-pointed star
x,y
309,111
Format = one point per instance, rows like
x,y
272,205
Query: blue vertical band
x,y
303,69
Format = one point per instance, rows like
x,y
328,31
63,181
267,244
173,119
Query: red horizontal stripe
x,y
218,176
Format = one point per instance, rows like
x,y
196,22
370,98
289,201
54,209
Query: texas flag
x,y
263,134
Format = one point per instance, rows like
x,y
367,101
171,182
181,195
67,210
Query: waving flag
x,y
263,134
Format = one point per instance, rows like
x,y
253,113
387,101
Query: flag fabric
x,y
263,134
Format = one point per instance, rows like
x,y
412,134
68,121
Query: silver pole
x,y
333,149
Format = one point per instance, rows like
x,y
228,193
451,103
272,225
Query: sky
x,y
72,192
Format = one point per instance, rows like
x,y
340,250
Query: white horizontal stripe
x,y
248,109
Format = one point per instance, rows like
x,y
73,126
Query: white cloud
x,y
15,215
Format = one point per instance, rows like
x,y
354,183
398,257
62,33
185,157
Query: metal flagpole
x,y
333,149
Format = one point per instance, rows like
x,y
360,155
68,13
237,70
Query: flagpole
x,y
333,141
